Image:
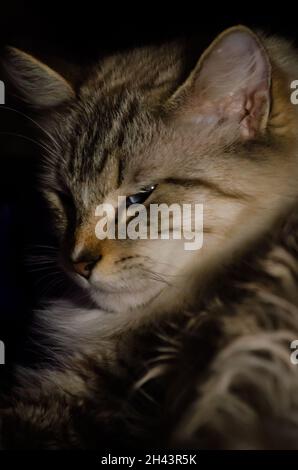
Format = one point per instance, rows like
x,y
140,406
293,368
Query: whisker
x,y
43,246
55,283
155,276
41,268
9,108
29,139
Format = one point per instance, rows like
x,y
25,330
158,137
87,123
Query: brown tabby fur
x,y
207,364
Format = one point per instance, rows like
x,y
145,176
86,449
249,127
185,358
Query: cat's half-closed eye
x,y
141,196
36,83
231,82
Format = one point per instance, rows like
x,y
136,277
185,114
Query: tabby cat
x,y
192,329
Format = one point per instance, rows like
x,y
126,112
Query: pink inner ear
x,y
233,82
257,107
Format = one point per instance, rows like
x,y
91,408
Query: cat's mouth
x,y
104,284
121,300
119,295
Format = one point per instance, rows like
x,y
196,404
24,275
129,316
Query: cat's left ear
x,y
230,82
38,85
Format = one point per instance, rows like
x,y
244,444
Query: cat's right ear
x,y
230,84
38,85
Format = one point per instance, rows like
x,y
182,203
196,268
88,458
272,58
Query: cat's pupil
x,y
140,197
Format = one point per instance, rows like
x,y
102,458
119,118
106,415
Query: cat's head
x,y
222,138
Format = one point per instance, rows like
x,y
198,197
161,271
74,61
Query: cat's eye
x,y
141,196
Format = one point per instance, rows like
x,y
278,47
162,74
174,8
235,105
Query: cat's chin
x,y
115,300
122,302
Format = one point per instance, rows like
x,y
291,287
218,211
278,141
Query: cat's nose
x,y
84,266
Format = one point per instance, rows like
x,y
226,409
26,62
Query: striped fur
x,y
199,355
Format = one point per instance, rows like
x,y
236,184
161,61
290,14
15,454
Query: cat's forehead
x,y
107,137
117,136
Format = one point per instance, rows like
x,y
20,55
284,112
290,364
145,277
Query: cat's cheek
x,y
170,256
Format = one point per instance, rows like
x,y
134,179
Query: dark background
x,y
80,32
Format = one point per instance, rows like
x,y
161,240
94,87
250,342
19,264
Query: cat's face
x,y
208,143
122,155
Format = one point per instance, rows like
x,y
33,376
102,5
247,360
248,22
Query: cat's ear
x,y
38,85
230,82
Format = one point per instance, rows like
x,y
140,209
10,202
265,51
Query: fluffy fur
x,y
183,345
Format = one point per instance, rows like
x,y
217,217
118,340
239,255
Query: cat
x,y
220,131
